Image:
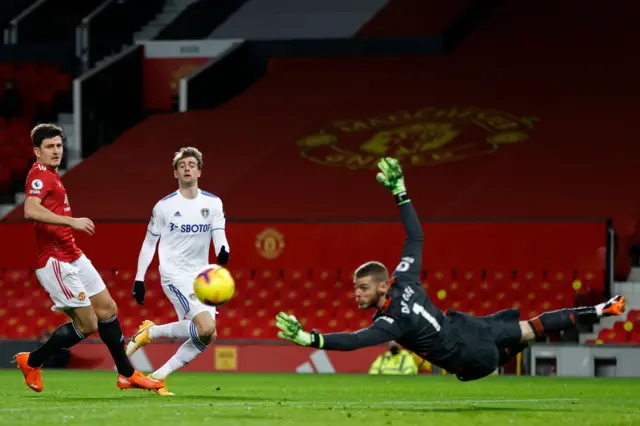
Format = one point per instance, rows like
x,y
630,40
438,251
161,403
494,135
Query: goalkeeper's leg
x,y
563,319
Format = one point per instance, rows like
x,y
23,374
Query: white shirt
x,y
185,228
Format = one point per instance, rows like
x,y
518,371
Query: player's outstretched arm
x,y
392,178
34,210
381,331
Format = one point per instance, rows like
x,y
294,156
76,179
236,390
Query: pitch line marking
x,y
423,403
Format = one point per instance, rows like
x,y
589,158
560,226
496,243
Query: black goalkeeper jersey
x,y
408,315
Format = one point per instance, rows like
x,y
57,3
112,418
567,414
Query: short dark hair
x,y
375,269
45,131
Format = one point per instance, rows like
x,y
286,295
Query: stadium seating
x,y
39,85
622,332
321,299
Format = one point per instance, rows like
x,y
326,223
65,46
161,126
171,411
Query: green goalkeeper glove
x,y
391,177
291,329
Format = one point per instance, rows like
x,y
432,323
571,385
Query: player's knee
x,y
206,330
85,320
210,338
87,326
206,327
106,310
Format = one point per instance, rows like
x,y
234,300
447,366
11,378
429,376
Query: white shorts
x,y
70,285
185,302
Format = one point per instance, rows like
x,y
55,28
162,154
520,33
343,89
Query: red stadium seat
x,y
266,278
293,277
590,279
438,279
560,275
242,275
325,276
609,335
469,277
36,84
499,276
634,336
634,315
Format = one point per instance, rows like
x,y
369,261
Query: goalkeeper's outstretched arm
x,y
411,257
392,178
383,330
376,334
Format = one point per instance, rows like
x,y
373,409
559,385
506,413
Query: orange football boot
x,y
32,376
138,381
163,391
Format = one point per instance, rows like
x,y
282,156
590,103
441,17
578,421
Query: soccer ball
x,y
214,285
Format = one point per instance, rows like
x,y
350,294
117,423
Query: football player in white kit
x,y
184,221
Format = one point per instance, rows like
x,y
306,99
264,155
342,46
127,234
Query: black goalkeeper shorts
x,y
484,341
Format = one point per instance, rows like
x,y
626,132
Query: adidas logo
x,y
177,214
319,363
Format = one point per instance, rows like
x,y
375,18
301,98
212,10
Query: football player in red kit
x,y
65,272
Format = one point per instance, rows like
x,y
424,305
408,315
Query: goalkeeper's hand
x,y
390,176
291,329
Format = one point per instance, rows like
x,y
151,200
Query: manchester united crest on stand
x,y
270,243
424,137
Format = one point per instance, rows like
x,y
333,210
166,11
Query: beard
x,y
375,300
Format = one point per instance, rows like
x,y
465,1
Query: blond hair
x,y
187,152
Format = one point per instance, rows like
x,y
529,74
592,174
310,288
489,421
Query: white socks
x,y
179,330
187,352
184,329
599,308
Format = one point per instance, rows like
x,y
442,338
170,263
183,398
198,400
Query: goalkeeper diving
x,y
467,346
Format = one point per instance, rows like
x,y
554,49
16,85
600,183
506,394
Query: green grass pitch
x,y
87,398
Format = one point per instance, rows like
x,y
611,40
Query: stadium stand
x,y
41,90
321,299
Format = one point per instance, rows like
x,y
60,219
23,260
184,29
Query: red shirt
x,y
53,240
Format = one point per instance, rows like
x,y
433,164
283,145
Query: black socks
x,y
63,338
111,335
562,319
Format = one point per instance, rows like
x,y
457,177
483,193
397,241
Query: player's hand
x,y
138,292
83,224
390,175
223,256
291,329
